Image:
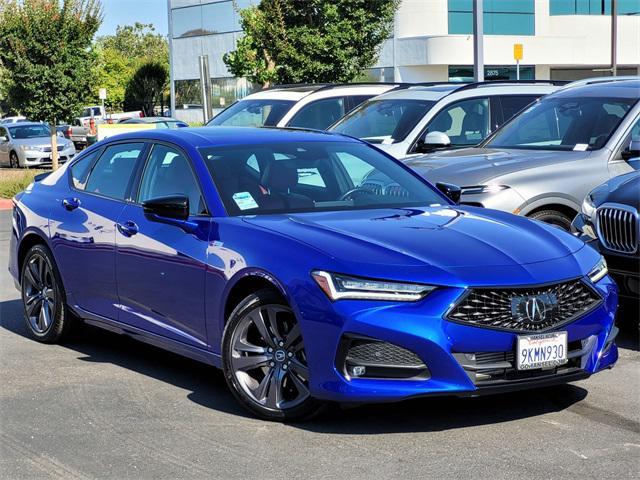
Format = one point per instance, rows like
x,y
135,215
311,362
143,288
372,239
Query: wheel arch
x,y
29,240
560,202
244,284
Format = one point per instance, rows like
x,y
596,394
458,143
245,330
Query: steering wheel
x,y
353,191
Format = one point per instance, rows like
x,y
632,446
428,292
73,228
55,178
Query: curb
x,y
6,204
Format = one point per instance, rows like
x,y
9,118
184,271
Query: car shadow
x,y
207,387
205,383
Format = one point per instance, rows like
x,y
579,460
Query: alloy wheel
x,y
268,358
13,161
39,293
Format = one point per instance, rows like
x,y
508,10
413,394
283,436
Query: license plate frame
x,y
541,351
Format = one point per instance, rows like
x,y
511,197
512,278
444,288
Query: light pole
x,y
478,40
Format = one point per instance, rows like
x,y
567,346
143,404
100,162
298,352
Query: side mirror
x,y
632,151
4,138
175,207
453,192
433,141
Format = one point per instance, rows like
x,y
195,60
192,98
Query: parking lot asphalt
x,y
105,406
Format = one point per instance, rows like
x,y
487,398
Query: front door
x,y
160,266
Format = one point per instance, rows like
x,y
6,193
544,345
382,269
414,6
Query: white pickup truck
x,y
80,131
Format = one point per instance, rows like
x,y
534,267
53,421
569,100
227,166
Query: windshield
x,y
29,131
564,124
312,176
383,121
253,113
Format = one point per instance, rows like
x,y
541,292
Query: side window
x,y
319,114
113,171
80,169
465,122
168,173
512,104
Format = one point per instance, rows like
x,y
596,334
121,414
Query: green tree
x,y
146,88
47,56
120,56
291,41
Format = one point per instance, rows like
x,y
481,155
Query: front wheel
x,y
553,217
264,359
13,160
45,311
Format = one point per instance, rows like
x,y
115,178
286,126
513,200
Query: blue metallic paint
x,y
169,287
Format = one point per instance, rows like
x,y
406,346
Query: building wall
x,y
561,39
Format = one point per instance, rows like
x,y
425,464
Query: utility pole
x,y
478,41
614,37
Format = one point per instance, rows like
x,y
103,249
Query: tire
x,y
13,160
264,361
45,310
553,217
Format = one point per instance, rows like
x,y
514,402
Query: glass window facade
x,y
464,73
592,7
501,17
224,91
208,19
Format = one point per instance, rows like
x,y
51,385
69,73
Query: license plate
x,y
546,350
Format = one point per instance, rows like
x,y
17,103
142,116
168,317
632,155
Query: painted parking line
x,y
6,204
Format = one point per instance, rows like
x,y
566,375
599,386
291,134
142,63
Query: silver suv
x,y
544,162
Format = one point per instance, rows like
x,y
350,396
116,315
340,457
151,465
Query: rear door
x,y
4,147
160,265
83,225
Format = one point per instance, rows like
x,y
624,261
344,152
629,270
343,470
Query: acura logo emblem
x,y
535,310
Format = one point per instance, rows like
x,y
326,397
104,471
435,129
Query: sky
x,y
127,12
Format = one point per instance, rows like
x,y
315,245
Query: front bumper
x,y
35,158
441,345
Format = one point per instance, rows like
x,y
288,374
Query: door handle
x,y
70,203
128,228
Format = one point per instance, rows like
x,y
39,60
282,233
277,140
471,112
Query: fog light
x,y
358,371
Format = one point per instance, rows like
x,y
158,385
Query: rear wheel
x,y
264,359
553,217
43,297
13,160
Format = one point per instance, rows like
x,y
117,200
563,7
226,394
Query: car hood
x,y
622,189
441,237
473,166
40,142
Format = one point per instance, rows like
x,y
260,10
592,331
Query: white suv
x,y
301,106
423,118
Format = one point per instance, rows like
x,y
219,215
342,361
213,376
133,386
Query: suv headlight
x,y
477,189
588,207
340,287
599,271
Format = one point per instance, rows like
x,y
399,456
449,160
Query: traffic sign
x,y
517,51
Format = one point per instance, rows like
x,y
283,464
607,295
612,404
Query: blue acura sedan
x,y
310,267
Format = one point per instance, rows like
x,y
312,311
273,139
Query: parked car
x,y
264,252
411,121
159,122
28,144
99,115
543,163
299,106
609,222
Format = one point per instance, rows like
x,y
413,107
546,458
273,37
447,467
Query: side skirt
x,y
188,351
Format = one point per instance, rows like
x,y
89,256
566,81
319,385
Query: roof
x,y
151,120
616,89
218,136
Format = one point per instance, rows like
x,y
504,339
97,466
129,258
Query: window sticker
x,y
581,147
244,200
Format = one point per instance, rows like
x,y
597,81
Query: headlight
x,y
476,189
27,148
339,287
599,271
588,207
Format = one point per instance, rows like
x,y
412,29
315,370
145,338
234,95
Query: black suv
x,y
609,221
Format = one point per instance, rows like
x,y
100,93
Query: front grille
x,y
366,352
48,149
617,228
505,308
